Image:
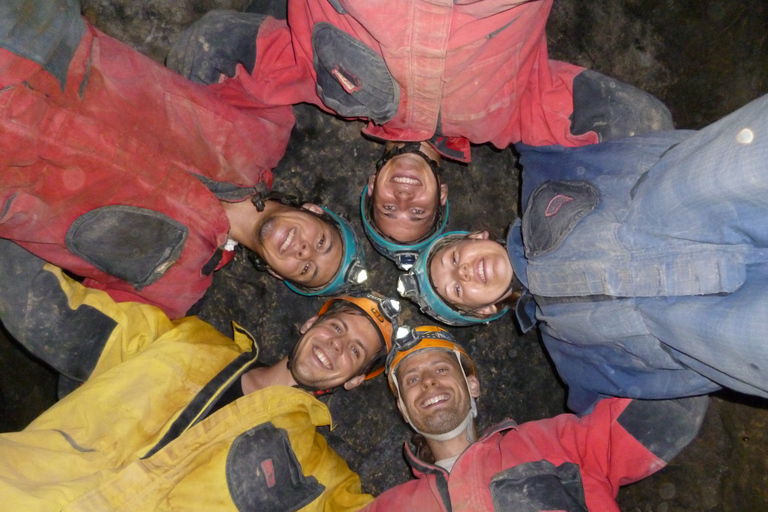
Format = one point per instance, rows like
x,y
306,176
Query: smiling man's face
x,y
433,390
300,246
406,196
334,349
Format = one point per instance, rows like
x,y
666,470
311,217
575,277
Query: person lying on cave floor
x,y
562,463
387,63
176,412
143,184
644,261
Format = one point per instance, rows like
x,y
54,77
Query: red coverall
x,y
127,131
479,68
552,464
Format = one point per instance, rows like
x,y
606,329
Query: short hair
x,y
339,307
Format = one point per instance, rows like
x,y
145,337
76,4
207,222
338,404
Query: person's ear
x,y
354,382
474,386
309,323
313,208
486,311
478,235
371,184
274,274
443,194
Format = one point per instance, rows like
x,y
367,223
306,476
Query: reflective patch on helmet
x,y
553,210
539,485
352,79
134,244
264,474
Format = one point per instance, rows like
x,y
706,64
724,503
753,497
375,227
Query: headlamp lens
x,y
405,260
390,308
402,333
407,286
357,274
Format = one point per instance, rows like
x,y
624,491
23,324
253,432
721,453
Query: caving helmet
x,y
383,313
410,341
403,254
416,285
352,272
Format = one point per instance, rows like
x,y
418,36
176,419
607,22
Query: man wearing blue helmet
x,y
426,82
404,206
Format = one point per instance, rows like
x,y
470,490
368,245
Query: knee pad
x,y
352,79
614,109
215,45
134,244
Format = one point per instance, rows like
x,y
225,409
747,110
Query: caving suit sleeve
x,y
79,331
114,167
620,442
245,52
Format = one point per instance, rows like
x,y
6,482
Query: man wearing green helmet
x,y
175,412
141,182
429,78
561,463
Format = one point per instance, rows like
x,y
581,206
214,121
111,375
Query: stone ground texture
x,y
703,58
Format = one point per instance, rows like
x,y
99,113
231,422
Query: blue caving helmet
x,y
417,286
403,254
352,272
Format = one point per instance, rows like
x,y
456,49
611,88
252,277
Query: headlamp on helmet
x,y
352,272
417,286
409,341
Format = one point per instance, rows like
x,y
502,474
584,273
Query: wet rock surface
x,y
703,59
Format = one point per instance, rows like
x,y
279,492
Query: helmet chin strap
x,y
466,424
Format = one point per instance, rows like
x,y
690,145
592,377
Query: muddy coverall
x,y
450,72
562,463
112,166
136,435
646,262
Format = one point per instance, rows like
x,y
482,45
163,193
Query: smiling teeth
x,y
434,400
406,181
288,240
322,358
481,269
